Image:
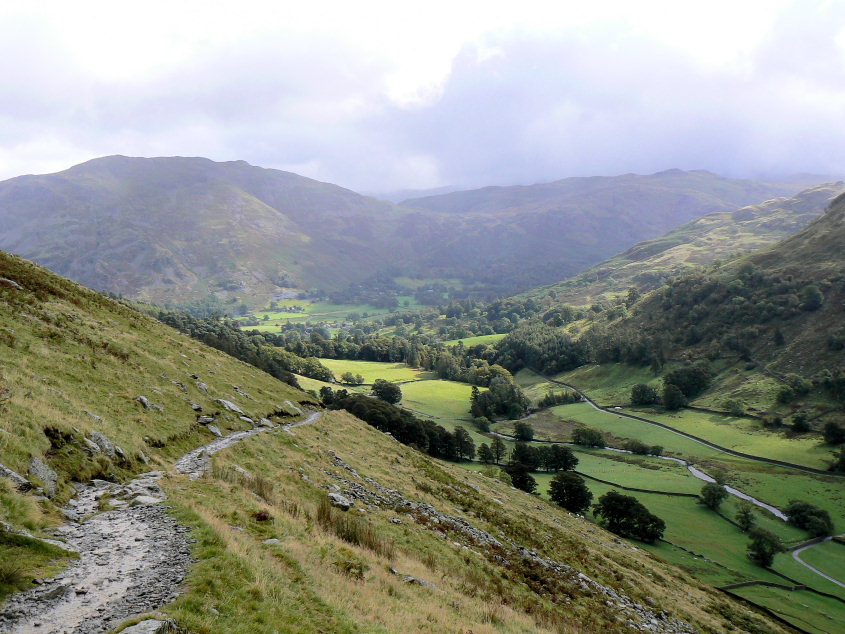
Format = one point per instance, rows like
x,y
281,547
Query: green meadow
x,y
372,370
438,398
474,341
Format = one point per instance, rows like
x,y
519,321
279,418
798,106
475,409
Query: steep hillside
x,y
180,229
425,546
553,230
699,242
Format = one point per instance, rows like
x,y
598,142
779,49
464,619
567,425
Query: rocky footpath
x,y
132,559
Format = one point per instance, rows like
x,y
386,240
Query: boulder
x,y
339,501
105,445
214,430
230,406
196,407
45,474
205,420
119,453
143,400
202,386
264,422
151,626
19,481
90,446
96,418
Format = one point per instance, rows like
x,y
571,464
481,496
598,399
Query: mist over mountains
x,y
177,229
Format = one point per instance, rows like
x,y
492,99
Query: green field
x,y
829,557
474,341
609,383
807,610
320,312
372,370
438,398
746,435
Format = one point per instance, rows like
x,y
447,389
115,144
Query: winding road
x,y
798,551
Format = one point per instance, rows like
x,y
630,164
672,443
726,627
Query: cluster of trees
x,y
625,515
588,437
387,391
810,517
424,435
564,397
226,335
502,398
541,347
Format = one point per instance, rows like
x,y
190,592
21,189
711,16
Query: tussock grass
x,y
352,530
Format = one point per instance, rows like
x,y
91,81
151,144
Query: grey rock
x,y
419,582
45,474
143,400
196,407
119,453
215,430
150,626
271,541
339,501
205,420
20,482
90,446
202,386
247,419
264,422
294,408
98,419
4,281
157,408
105,445
230,406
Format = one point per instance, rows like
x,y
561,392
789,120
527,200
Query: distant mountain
x,y
648,264
179,229
398,195
546,232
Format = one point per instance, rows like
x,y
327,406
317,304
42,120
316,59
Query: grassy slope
x,y
473,592
75,350
700,241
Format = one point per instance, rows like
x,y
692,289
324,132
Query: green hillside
x,y
181,229
427,544
699,242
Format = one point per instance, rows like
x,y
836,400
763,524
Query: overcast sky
x,y
378,96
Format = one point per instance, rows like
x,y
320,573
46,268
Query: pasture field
x,y
807,610
314,384
438,399
372,370
794,570
307,310
609,383
746,435
474,341
829,557
641,472
672,443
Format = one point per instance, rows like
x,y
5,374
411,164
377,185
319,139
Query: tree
x,y
525,455
833,433
485,454
520,477
359,379
626,516
326,395
811,297
348,378
800,424
569,490
499,449
632,297
763,546
713,495
809,517
588,437
642,394
673,398
464,444
562,459
745,515
523,432
387,391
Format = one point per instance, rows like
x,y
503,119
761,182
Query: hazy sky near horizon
x,y
378,96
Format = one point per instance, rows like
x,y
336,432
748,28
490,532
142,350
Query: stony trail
x,y
132,557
